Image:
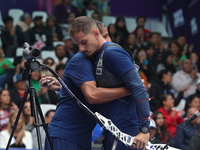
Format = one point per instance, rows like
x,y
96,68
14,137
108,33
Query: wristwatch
x,y
144,130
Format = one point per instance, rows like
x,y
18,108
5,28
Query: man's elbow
x,y
91,99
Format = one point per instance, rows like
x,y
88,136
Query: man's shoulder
x,y
179,72
112,45
112,48
78,56
79,59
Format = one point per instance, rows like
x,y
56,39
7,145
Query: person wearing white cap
x,y
152,130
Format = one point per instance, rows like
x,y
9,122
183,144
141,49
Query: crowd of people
x,y
169,71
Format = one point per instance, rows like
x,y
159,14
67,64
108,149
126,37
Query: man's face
x,y
96,17
60,51
38,22
105,34
181,40
87,43
187,66
141,22
155,39
49,117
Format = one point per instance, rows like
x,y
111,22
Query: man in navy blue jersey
x,y
114,68
71,128
130,113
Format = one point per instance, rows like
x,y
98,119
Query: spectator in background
x,y
96,16
121,29
42,92
6,108
21,137
162,85
113,34
25,22
155,40
152,59
166,63
62,11
131,44
140,21
38,36
50,63
28,119
172,117
60,70
70,18
162,133
194,142
192,101
140,34
177,56
141,60
65,26
48,117
19,66
186,77
11,38
53,28
159,86
194,57
70,47
185,48
60,55
89,8
198,88
18,90
5,65
182,141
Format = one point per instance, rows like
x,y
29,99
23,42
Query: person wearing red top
x,y
172,117
140,21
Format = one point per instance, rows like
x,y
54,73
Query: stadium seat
x,y
47,107
1,20
130,24
19,51
15,14
157,26
55,43
108,20
45,54
40,13
10,58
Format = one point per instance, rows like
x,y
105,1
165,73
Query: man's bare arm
x,y
98,95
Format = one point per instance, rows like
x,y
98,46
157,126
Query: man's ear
x,y
95,32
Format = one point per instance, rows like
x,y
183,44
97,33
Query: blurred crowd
x,y
169,71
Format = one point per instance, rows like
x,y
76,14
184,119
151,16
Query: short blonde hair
x,y
82,24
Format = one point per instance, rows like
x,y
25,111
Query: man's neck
x,y
101,43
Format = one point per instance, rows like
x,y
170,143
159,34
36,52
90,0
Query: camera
x,y
29,52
